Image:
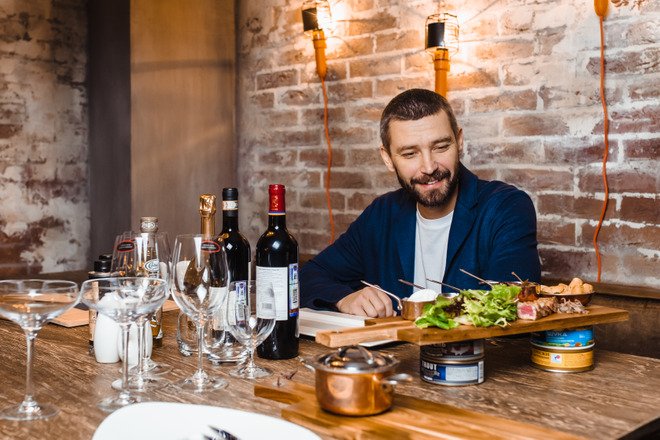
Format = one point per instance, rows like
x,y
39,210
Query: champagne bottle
x,y
210,243
277,269
151,269
236,245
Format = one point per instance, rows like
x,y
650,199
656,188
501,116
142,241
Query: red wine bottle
x,y
277,269
236,245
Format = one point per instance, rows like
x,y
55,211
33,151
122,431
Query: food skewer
x,y
476,277
380,289
446,295
444,284
411,284
516,275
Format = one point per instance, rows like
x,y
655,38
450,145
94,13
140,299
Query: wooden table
x,y
619,395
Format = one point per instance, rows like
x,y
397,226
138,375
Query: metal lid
x,y
355,358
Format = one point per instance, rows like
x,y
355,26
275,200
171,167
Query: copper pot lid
x,y
355,359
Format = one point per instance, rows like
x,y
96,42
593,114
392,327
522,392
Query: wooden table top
x,y
620,394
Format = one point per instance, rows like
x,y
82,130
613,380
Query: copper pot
x,y
355,382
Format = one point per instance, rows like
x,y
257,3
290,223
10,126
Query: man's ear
x,y
459,141
385,155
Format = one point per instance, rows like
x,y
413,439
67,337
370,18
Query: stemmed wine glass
x,y
145,255
30,303
200,279
125,300
250,318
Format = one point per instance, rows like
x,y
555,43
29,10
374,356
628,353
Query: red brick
x,y
634,265
318,158
383,180
635,180
573,207
351,47
522,100
479,126
278,157
644,120
365,157
316,219
639,209
631,33
532,125
295,56
366,112
374,67
566,264
457,105
642,148
278,118
263,100
615,237
547,39
313,242
8,130
472,80
515,21
638,91
381,21
342,222
291,178
578,151
538,180
307,96
358,201
281,138
389,88
519,74
418,62
482,153
503,50
643,62
554,232
352,136
558,97
277,79
485,173
336,71
397,41
317,199
335,115
349,179
345,92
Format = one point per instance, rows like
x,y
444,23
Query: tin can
x,y
577,337
563,359
455,351
453,364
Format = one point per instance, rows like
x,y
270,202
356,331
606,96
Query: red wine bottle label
x,y
294,299
210,246
126,246
275,278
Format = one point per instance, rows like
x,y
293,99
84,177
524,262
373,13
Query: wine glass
x,y
142,255
200,278
125,300
250,319
30,304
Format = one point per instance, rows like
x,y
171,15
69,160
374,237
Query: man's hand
x,y
366,302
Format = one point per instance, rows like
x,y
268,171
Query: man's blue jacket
x,y
493,233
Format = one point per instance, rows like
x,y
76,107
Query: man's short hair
x,y
412,105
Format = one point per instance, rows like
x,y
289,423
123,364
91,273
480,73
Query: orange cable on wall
x,y
601,9
327,175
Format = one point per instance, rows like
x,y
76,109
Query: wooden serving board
x,y
409,418
77,317
402,330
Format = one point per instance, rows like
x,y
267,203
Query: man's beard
x,y
436,198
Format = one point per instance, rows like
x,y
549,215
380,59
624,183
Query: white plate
x,y
179,421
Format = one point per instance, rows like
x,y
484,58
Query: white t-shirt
x,y
431,238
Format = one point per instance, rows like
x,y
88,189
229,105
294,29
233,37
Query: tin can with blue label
x,y
571,338
453,364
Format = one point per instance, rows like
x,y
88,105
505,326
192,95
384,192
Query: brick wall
x,y
44,212
525,86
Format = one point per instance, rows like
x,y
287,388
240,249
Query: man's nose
x,y
428,164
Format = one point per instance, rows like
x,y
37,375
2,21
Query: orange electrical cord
x,y
606,126
327,175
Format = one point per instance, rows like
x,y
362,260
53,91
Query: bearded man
x,y
443,219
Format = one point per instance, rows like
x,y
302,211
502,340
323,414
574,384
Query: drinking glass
x,y
250,319
146,255
30,304
126,300
200,278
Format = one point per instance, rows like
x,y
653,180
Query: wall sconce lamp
x,y
441,41
317,17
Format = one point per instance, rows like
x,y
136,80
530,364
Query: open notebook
x,y
312,321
